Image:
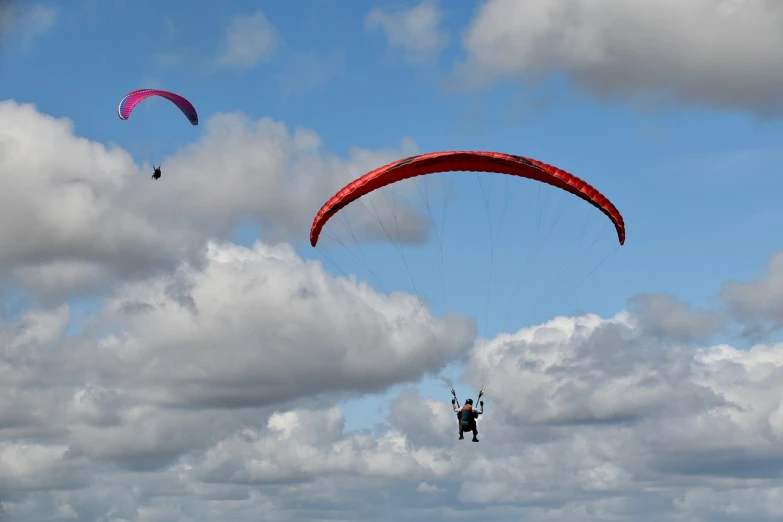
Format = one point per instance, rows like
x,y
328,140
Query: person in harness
x,y
467,416
156,174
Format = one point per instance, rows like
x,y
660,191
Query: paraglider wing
x,y
493,162
135,97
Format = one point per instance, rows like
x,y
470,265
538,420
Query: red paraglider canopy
x,y
493,162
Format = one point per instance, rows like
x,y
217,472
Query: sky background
x,y
176,349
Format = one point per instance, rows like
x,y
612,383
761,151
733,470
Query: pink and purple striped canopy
x,y
133,98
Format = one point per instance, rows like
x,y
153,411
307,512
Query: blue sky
x,y
697,187
708,166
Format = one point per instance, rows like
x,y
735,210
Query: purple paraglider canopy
x,y
133,98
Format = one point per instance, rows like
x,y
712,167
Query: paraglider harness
x,y
156,174
465,414
466,417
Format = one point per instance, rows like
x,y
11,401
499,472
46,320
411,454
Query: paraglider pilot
x,y
156,174
466,416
